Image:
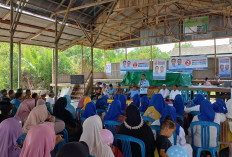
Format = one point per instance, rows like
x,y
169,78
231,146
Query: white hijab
x,y
91,135
229,108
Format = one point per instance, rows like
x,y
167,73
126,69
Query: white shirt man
x,y
164,91
173,93
143,84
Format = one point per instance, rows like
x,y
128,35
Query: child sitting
x,y
168,126
108,139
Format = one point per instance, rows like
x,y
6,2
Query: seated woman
x,y
220,109
90,110
206,114
81,102
92,128
10,131
25,109
144,103
207,83
122,99
136,100
40,141
179,105
74,129
86,101
5,110
135,126
156,107
102,102
16,102
69,107
74,149
195,106
39,115
114,113
171,111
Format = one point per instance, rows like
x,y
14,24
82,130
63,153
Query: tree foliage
x,y
37,62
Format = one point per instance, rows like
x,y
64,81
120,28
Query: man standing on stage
x,y
143,84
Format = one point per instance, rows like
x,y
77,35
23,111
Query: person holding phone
x,y
143,84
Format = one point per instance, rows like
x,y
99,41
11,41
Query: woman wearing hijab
x,y
229,108
179,105
135,126
181,140
144,103
5,110
86,101
195,106
40,102
206,114
220,109
116,97
156,107
40,141
114,113
69,107
25,109
10,131
92,128
90,110
136,100
122,99
74,149
81,102
40,115
59,111
102,102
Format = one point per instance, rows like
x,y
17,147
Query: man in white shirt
x,y
164,91
51,100
143,84
173,93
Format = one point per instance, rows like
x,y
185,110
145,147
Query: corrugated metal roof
x,y
132,23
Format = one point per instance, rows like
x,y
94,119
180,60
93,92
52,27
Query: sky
x,y
168,47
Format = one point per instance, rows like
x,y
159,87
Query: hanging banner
x,y
224,67
188,63
135,65
159,69
108,68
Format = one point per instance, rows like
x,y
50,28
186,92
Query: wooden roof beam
x,y
88,5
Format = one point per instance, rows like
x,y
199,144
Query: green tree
x,y
183,45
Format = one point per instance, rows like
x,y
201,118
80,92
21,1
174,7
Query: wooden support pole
x,y
179,49
19,66
151,65
92,46
82,61
104,64
11,43
126,53
53,66
215,57
56,61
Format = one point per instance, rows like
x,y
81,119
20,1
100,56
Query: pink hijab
x,y
40,141
10,131
38,115
40,102
25,108
81,102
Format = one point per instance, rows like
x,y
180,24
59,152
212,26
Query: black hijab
x,y
74,149
135,126
60,112
5,108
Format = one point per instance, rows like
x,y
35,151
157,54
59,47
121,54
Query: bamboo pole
x,y
215,56
19,66
11,43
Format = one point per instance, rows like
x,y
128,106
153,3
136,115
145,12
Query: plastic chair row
x,y
205,137
111,125
126,141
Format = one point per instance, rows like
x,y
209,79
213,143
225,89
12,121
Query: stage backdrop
x,y
159,69
108,68
188,63
135,65
224,67
172,78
